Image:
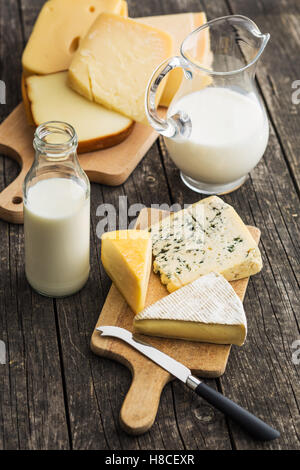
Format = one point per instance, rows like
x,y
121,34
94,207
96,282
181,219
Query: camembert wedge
x,y
207,310
207,236
126,256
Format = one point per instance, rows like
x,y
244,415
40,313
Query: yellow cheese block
x,y
58,31
50,98
126,257
115,61
179,26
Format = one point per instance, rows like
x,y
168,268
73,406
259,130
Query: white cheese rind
x,y
210,300
207,236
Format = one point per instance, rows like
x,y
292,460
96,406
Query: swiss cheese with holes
x,y
58,31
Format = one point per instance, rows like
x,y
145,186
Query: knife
x,y
255,426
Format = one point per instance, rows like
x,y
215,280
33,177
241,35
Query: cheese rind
x,y
126,257
207,310
179,26
26,102
207,236
50,98
115,61
58,31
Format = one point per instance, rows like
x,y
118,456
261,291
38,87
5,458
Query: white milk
x,y
57,236
229,135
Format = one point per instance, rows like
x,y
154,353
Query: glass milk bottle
x,y
216,128
56,195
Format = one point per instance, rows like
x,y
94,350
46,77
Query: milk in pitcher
x,y
228,137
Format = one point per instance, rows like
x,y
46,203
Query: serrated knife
x,y
253,425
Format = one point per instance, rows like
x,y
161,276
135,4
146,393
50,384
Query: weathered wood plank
x,y
32,410
261,376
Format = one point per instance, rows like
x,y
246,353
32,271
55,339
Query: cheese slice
x,y
50,99
58,31
124,9
207,310
115,61
126,257
26,102
179,26
207,236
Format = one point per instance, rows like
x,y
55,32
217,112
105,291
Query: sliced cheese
x,y
207,310
115,61
58,31
207,236
124,9
26,102
179,26
50,99
126,257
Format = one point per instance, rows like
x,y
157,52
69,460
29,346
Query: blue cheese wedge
x,y
207,310
207,236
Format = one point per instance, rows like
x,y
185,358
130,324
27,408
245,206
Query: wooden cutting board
x,y
111,166
148,380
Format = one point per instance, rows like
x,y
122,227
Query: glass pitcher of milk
x,y
56,214
216,128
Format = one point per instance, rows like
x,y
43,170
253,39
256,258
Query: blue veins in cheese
x,y
208,236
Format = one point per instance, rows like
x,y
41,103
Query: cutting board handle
x,y
140,406
11,201
15,142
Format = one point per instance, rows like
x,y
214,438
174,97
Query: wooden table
x,y
54,393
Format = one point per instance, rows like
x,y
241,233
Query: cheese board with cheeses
x,y
148,380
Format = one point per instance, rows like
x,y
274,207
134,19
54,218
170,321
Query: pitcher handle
x,y
178,125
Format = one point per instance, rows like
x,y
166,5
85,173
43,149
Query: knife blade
x,y
255,426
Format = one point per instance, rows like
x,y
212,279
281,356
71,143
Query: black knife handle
x,y
255,426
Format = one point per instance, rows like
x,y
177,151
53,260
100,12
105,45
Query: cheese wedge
x,y
207,310
179,26
115,61
126,257
207,236
58,31
96,127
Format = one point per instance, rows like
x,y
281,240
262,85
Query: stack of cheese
x,y
197,251
87,63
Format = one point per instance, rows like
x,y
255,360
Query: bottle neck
x,y
55,145
56,142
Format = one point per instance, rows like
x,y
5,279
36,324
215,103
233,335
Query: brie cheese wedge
x,y
207,310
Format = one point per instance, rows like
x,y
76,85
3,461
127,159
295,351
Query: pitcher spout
x,y
260,38
235,43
